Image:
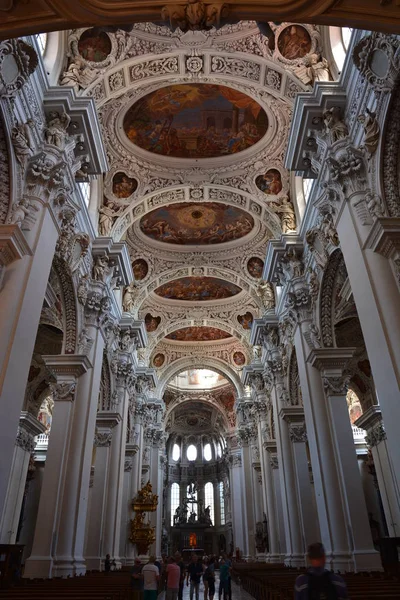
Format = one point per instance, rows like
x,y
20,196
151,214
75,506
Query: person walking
x,y
151,576
209,576
182,567
224,572
173,573
137,580
194,573
319,583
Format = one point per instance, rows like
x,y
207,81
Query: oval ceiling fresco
x,y
198,334
197,289
194,223
195,121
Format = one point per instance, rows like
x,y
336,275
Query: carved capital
x,y
376,435
336,386
63,391
128,464
273,461
25,440
102,439
297,432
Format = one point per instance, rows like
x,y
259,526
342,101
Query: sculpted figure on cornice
x,y
285,210
336,128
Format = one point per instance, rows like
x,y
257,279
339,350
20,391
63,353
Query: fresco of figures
x,y
198,334
94,47
239,359
151,323
255,267
194,223
197,289
140,269
195,121
246,320
294,42
123,186
159,360
270,183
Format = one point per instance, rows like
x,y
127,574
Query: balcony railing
x,y
358,434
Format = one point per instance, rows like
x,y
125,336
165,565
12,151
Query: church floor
x,y
237,592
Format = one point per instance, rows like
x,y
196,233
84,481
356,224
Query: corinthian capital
x,y
123,371
63,391
336,386
297,432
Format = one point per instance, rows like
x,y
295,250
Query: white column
x,y
21,301
156,479
124,543
112,525
349,500
273,555
67,370
238,503
274,464
248,516
94,553
28,428
309,517
376,294
371,421
295,552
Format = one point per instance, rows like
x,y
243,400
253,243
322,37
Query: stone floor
x,y
237,592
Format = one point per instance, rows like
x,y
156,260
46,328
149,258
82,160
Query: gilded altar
x,y
142,533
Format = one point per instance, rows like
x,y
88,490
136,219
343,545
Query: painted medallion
x,y
239,358
246,320
159,360
197,224
197,289
195,121
93,46
270,183
151,323
294,42
255,267
198,334
123,186
140,269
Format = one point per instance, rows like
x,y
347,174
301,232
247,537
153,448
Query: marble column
x,y
344,496
22,294
67,369
94,553
124,544
368,254
371,421
238,503
248,516
273,554
276,478
305,493
112,518
295,551
29,427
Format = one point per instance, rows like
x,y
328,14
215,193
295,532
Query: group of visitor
x,y
148,580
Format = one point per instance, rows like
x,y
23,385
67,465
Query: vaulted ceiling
x,y
195,125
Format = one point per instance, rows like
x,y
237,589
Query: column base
x,y
93,563
274,558
369,560
129,562
295,560
261,557
37,567
69,567
340,561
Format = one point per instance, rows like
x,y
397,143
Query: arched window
x,y
84,186
207,452
41,39
346,36
221,502
191,452
174,500
176,452
209,499
219,450
307,187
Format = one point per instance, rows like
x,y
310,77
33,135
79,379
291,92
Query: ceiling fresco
x,y
255,267
270,183
195,121
197,289
123,186
294,42
198,334
246,320
140,269
151,323
93,46
193,223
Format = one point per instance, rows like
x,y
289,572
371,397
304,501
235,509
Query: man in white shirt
x,y
151,576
